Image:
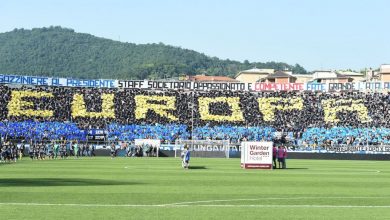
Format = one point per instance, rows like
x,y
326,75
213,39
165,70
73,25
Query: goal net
x,y
204,148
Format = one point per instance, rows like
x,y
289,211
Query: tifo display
x,y
304,119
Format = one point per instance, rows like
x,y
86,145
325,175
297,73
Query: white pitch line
x,y
188,205
306,172
80,205
274,198
201,203
293,206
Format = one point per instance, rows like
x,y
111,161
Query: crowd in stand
x,y
140,150
166,133
11,151
303,118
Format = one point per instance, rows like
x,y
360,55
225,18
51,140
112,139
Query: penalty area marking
x,y
202,203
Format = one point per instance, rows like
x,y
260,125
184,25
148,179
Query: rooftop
x,y
204,78
279,74
350,73
256,71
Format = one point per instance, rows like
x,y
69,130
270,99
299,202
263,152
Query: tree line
x,y
61,52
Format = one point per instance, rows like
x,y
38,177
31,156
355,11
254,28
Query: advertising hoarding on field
x,y
256,155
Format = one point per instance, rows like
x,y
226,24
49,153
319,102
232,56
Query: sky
x,y
317,34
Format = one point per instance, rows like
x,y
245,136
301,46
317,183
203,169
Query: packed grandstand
x,y
299,118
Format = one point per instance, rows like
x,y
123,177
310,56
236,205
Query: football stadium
x,y
85,148
196,109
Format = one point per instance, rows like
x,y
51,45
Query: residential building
x,y
329,76
203,78
279,77
384,73
356,77
253,75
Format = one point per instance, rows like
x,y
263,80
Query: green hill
x,y
57,51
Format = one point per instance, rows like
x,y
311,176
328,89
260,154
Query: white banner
x,y
151,142
191,85
55,81
256,155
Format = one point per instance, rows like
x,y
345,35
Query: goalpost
x,y
204,148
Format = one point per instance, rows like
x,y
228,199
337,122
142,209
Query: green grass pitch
x,y
158,188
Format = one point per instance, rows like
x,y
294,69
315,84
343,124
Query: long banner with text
x,y
189,85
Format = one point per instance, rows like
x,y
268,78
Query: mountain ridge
x,y
62,52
